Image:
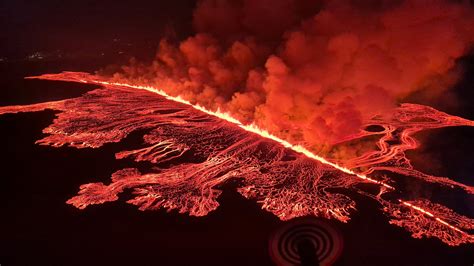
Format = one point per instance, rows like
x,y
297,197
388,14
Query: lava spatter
x,y
194,150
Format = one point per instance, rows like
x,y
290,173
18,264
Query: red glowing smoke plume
x,y
311,73
263,93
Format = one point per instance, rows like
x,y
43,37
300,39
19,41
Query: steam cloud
x,y
311,72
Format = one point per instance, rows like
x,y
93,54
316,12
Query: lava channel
x,y
191,151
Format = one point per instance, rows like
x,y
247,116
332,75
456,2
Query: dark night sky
x,y
30,26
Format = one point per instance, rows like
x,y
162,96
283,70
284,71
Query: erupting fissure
x,y
193,150
250,128
263,133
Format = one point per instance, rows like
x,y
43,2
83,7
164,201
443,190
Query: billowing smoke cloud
x,y
311,72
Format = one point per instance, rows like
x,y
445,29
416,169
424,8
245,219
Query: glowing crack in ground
x,y
194,150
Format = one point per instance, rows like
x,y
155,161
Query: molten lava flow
x,y
424,218
250,128
193,150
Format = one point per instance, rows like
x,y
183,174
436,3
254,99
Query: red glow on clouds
x,y
308,72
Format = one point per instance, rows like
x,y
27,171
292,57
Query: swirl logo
x,y
305,241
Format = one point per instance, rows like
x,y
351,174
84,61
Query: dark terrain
x,y
39,228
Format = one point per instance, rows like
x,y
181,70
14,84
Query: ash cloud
x,y
308,71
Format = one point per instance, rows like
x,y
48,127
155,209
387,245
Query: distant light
x,y
36,55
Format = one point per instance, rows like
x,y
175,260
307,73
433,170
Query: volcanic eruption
x,y
275,95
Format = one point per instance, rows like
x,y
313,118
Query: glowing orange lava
x,y
250,128
194,150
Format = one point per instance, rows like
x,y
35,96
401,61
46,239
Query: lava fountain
x,y
191,150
